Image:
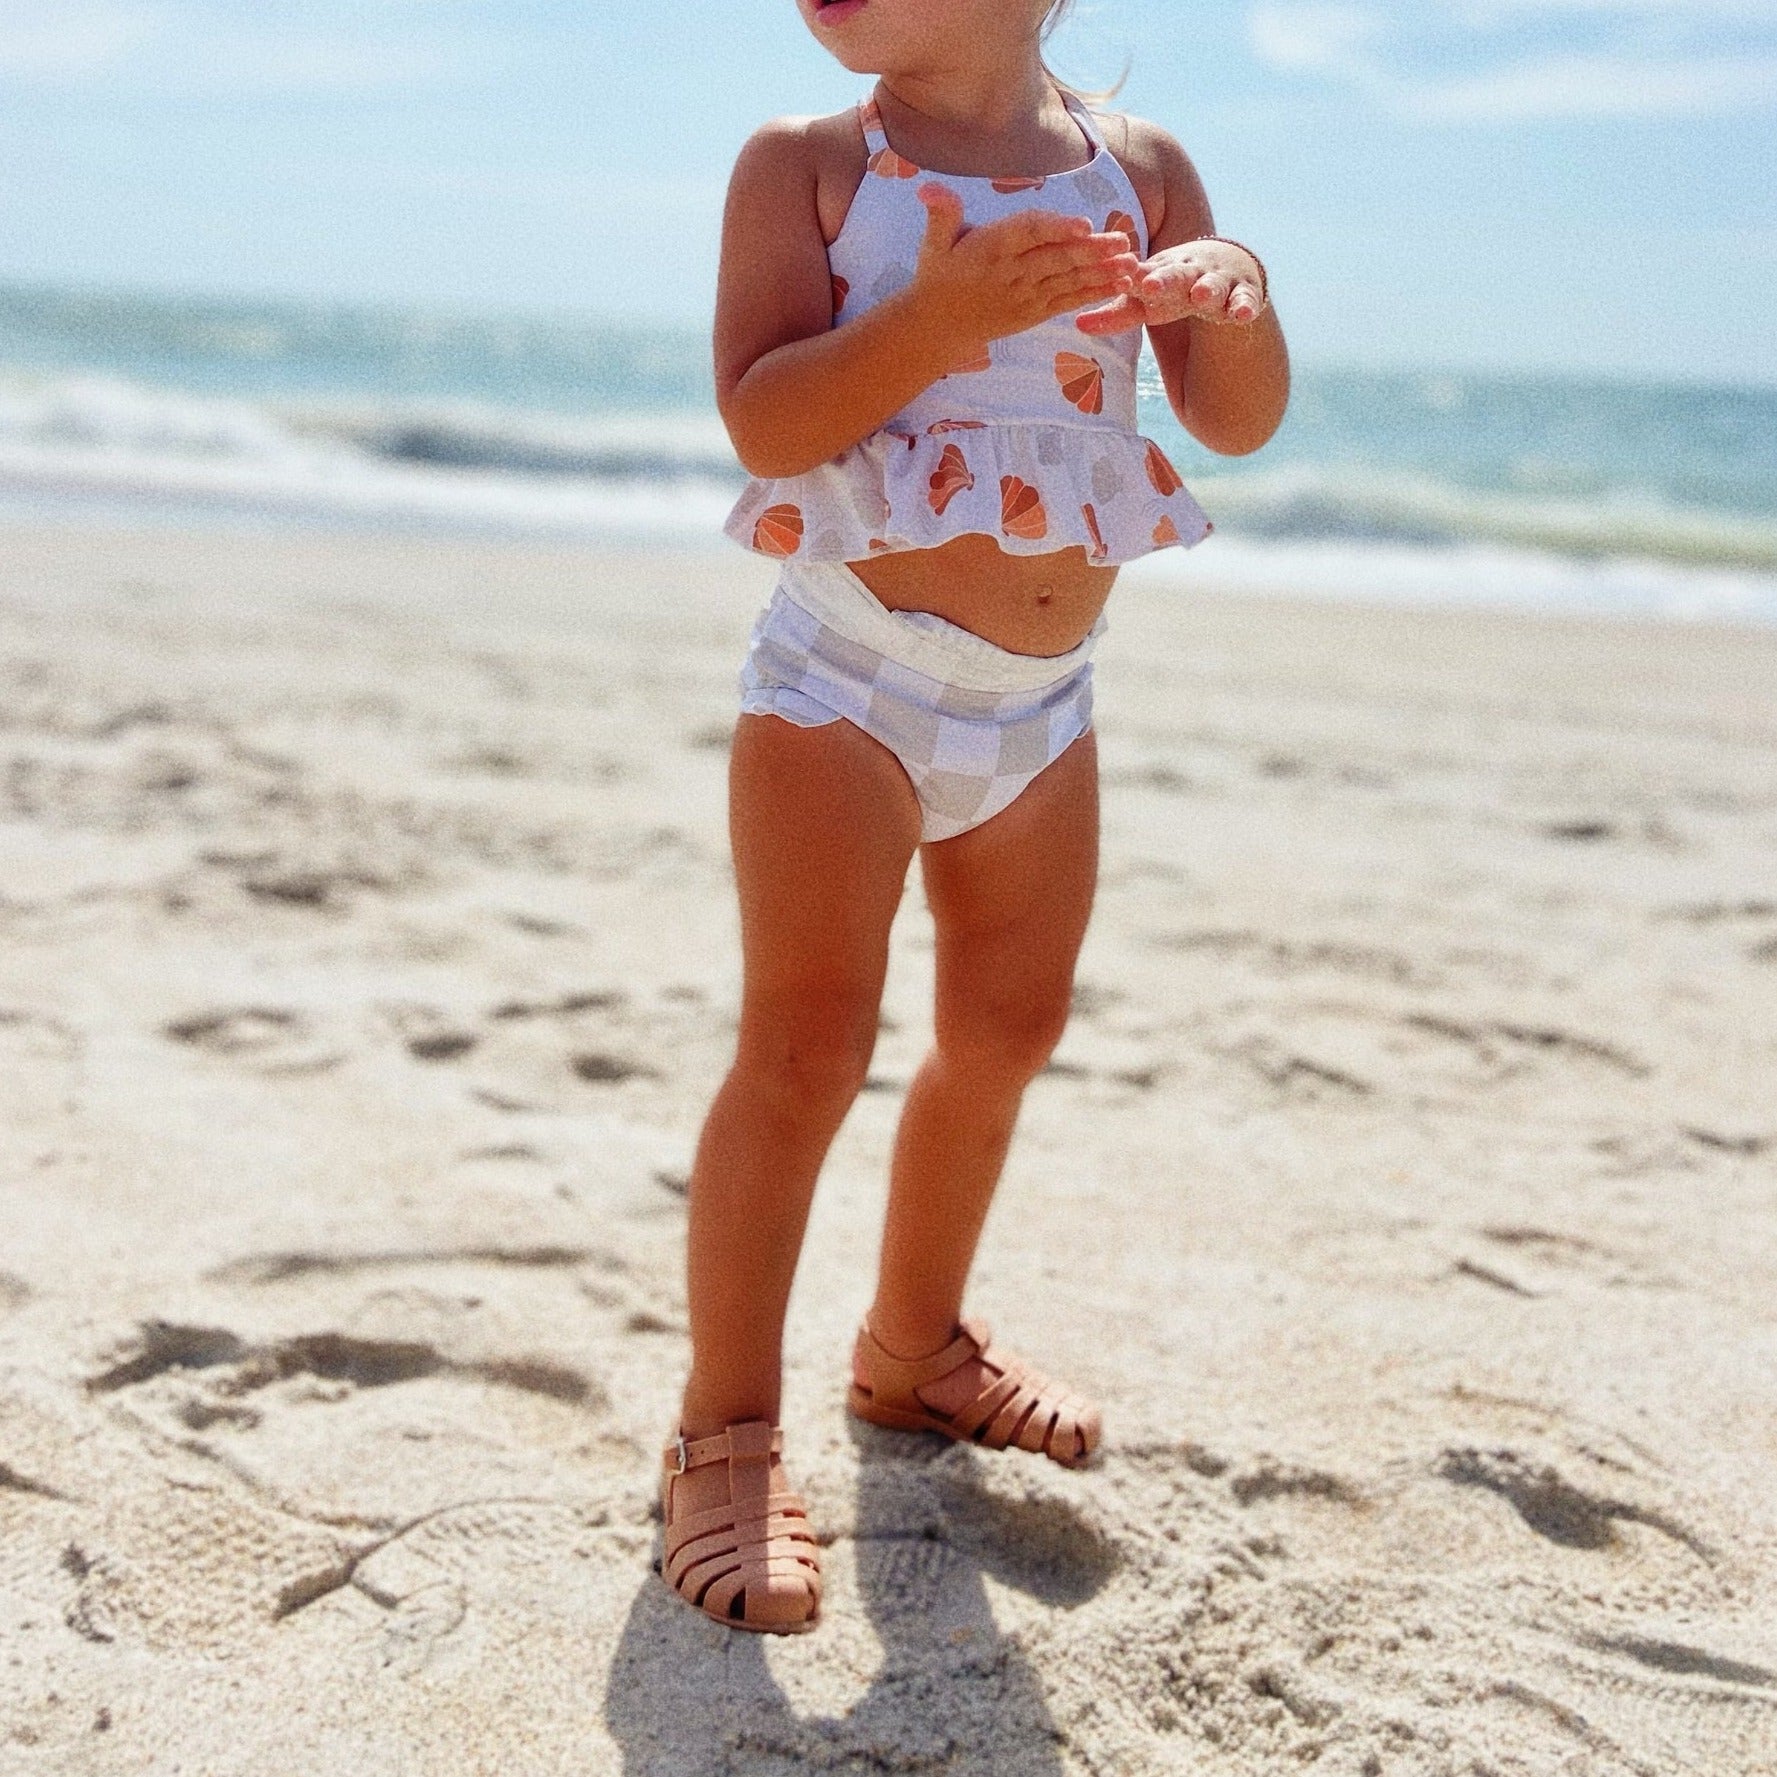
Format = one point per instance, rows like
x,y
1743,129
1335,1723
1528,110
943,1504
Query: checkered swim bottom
x,y
971,723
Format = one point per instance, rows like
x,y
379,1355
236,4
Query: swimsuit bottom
x,y
971,723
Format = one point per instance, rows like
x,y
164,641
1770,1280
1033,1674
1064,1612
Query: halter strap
x,y
871,119
1079,112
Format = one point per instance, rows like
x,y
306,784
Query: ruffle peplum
x,y
1032,486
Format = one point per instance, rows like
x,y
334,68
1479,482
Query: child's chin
x,y
837,28
852,55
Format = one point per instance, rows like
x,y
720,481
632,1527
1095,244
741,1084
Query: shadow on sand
x,y
687,1697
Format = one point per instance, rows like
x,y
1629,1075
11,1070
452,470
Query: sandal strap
x,y
1002,1392
893,1380
707,1535
683,1454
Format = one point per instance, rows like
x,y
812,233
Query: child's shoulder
x,y
792,161
837,136
1158,167
1141,143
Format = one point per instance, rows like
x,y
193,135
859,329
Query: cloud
x,y
1516,60
1600,86
1314,37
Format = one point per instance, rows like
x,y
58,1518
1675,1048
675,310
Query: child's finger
x,y
1084,257
1062,294
1161,285
944,213
1115,317
1244,303
1039,228
1210,291
1091,249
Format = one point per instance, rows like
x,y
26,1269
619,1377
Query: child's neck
x,y
981,107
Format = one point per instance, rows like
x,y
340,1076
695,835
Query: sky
x,y
1585,185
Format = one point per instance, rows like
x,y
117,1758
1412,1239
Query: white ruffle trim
x,y
1033,487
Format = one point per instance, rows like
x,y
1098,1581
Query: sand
x,y
1405,1187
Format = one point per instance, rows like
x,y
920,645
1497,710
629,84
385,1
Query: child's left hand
x,y
1205,280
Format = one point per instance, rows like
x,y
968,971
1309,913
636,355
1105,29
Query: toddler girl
x,y
928,320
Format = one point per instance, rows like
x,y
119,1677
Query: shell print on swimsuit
x,y
1033,444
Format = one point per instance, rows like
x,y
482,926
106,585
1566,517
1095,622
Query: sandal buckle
x,y
679,1446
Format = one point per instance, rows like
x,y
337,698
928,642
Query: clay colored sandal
x,y
752,1563
1018,1407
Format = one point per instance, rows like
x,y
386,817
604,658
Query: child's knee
x,y
1011,1039
814,1056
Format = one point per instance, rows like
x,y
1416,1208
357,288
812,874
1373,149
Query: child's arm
x,y
794,390
1226,369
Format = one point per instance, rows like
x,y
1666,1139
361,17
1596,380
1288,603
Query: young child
x,y
928,321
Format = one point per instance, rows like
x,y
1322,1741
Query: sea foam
x,y
1540,492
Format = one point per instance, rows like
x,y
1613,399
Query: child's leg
x,y
1010,899
824,823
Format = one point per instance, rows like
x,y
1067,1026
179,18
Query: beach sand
x,y
1405,1187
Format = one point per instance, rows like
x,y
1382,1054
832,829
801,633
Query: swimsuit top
x,y
1033,444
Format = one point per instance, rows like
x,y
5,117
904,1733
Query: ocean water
x,y
1544,492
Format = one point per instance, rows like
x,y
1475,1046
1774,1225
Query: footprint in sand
x,y
427,1033
601,1069
1329,1049
177,1568
1532,1262
264,1039
1740,1145
1299,956
562,1005
426,1602
1564,1511
36,1036
601,1277
1258,1479
1684,1660
910,1570
269,1268
1269,1477
276,1410
1092,999
300,886
1165,779
523,1041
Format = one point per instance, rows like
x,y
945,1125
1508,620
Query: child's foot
x,y
972,1390
738,1543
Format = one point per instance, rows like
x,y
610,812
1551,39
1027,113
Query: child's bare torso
x,y
1029,604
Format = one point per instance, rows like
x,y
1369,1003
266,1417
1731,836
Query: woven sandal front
x,y
1019,1407
752,1563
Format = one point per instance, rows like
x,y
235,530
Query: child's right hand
x,y
1002,277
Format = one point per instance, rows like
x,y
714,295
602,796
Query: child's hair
x,y
1058,11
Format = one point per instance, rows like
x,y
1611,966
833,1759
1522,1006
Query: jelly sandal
x,y
753,1562
1017,1407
